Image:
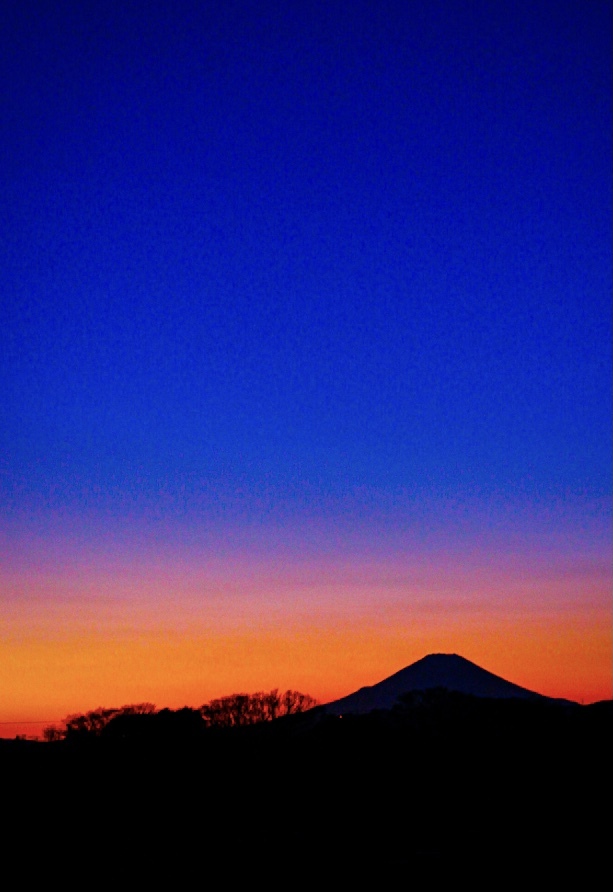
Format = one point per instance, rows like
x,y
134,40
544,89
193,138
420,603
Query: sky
x,y
306,365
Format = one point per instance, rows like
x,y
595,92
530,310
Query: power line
x,y
31,722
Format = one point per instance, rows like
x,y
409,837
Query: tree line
x,y
235,710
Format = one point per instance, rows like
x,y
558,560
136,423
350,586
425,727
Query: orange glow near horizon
x,y
178,635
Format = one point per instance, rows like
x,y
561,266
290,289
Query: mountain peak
x,y
436,670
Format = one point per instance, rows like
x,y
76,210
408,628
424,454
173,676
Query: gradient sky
x,y
306,347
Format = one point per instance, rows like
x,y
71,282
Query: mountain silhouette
x,y
449,671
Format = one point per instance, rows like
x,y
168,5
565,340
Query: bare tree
x,y
91,724
293,702
249,709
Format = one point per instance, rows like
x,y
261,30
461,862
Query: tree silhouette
x,y
92,723
238,710
233,711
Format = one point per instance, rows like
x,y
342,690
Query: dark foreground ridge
x,y
443,777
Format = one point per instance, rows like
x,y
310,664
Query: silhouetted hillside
x,y
444,776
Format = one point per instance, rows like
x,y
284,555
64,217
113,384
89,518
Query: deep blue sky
x,y
259,253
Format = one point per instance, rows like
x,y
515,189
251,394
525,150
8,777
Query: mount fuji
x,y
450,671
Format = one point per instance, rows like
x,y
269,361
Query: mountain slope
x,y
448,671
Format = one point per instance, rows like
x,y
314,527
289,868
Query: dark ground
x,y
453,782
